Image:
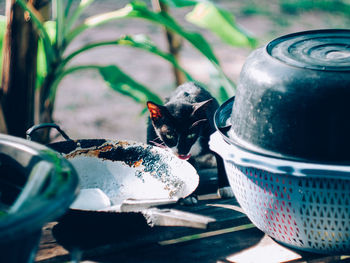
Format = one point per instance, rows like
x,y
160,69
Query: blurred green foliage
x,y
296,6
2,34
56,36
283,15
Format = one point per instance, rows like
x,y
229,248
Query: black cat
x,y
184,124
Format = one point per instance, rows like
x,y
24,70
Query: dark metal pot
x,y
293,98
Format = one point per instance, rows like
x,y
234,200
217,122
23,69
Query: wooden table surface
x,y
231,238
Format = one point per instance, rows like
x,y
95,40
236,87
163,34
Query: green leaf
x,y
140,10
221,22
37,20
2,36
77,12
60,21
180,3
68,6
124,84
42,69
138,41
144,43
115,79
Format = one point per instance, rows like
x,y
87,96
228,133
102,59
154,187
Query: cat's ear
x,y
201,105
155,110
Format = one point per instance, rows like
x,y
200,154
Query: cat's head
x,y
179,126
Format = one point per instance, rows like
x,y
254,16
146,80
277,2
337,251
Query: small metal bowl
x,y
37,186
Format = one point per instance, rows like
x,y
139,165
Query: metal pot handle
x,y
34,128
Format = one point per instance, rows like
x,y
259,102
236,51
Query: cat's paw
x,y
188,201
225,192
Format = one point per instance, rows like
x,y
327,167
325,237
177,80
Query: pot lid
x,y
320,49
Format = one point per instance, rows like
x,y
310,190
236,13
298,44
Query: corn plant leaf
x,y
50,27
180,3
68,8
144,43
38,21
115,78
76,14
137,41
140,10
124,84
221,22
2,36
60,21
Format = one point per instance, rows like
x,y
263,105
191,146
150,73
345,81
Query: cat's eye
x,y
191,136
169,136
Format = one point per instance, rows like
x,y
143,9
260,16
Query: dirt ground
x,y
87,108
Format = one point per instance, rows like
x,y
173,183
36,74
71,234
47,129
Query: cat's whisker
x,y
161,145
161,141
199,121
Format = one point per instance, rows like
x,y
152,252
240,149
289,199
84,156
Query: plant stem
x,y
75,16
174,42
68,6
60,22
18,75
36,18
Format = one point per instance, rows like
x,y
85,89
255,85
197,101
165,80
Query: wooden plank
x,y
219,209
208,249
48,247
